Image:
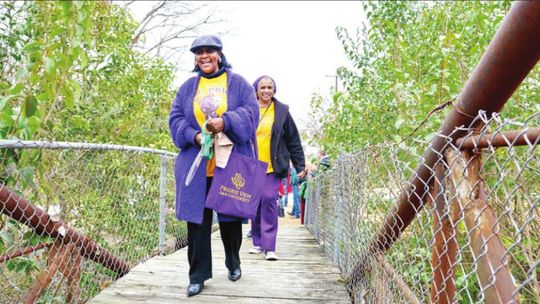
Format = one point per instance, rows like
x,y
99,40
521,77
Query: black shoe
x,y
194,289
235,275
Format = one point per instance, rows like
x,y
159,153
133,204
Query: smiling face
x,y
265,90
207,60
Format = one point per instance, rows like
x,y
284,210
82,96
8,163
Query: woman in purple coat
x,y
237,116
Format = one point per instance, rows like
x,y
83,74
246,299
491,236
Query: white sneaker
x,y
271,256
255,249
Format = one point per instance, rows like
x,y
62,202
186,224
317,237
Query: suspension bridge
x,y
301,275
449,219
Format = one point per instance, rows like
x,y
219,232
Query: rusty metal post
x,y
21,252
57,260
70,268
444,251
511,55
22,211
530,136
480,221
396,278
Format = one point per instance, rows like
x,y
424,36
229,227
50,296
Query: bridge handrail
x,y
60,145
509,58
127,177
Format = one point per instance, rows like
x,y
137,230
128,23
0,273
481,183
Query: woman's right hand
x,y
215,125
198,139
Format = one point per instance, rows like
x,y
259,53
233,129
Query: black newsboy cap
x,y
210,41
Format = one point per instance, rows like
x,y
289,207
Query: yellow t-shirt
x,y
215,88
264,135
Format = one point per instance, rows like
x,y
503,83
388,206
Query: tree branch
x,y
168,24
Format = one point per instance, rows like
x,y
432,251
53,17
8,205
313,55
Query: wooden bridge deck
x,y
303,274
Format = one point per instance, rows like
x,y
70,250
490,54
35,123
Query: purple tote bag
x,y
236,189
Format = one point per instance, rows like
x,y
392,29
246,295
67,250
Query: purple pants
x,y
265,225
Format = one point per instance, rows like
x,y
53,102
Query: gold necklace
x,y
264,114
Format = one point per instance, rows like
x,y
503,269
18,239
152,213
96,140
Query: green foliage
x,y
409,58
22,264
69,73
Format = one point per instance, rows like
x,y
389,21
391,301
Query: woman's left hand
x,y
302,174
215,125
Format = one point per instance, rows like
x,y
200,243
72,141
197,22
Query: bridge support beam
x,y
511,55
444,250
482,230
24,212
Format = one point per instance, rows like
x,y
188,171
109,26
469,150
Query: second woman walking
x,y
278,142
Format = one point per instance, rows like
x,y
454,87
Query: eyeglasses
x,y
202,51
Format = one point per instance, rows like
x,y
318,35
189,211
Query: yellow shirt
x,y
264,135
215,88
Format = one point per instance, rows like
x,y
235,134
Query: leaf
x,y
76,51
22,265
79,4
84,60
81,15
49,66
21,74
79,30
33,124
5,100
6,237
57,31
30,106
6,120
16,89
76,88
78,121
67,7
399,122
32,238
11,264
42,96
44,185
68,97
32,47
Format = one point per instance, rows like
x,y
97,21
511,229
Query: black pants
x,y
199,249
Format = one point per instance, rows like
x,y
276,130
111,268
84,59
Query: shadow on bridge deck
x,y
303,274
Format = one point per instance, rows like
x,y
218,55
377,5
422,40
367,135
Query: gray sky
x,y
293,41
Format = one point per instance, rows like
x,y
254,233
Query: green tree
x,y
409,58
70,73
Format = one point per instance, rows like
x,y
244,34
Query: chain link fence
x,y
477,237
74,217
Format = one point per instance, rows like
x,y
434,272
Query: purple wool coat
x,y
241,120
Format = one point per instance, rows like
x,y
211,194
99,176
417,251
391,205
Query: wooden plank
x,y
248,268
255,280
219,288
303,274
130,297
